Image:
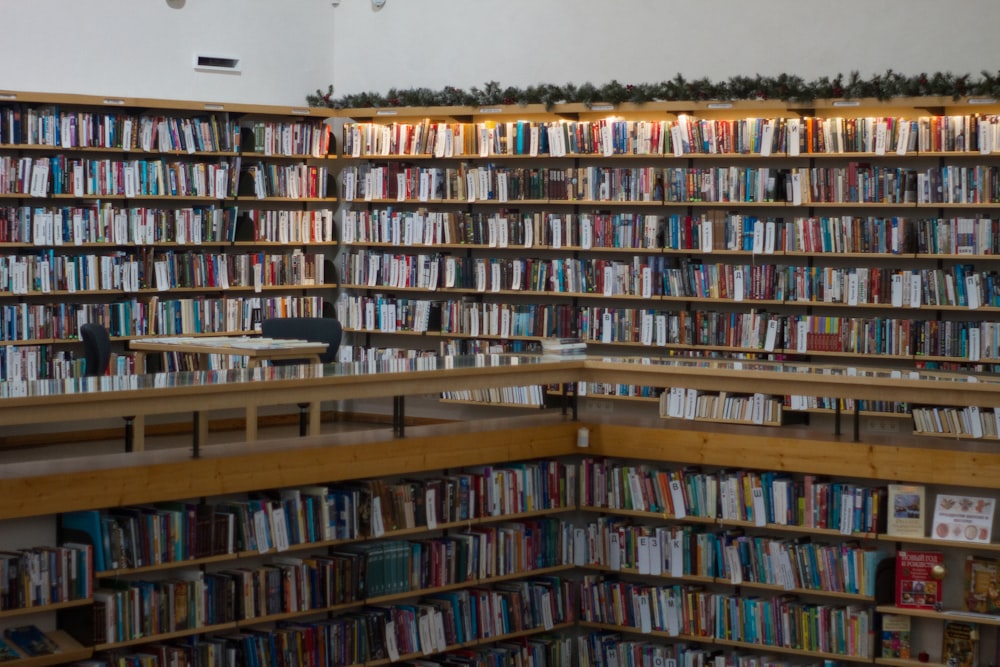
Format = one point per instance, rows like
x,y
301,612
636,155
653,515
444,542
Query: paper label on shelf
x,y
880,137
896,290
646,329
916,291
847,514
972,291
655,556
484,183
677,139
480,275
974,343
502,186
470,186
770,233
505,323
502,232
738,285
579,547
609,280
758,237
491,231
796,188
607,328
614,551
647,282
516,275
661,329
529,235
586,233
771,337
802,337
378,528
759,511
794,135
449,272
607,140
767,138
645,619
903,140
391,647
642,555
677,498
852,289
534,140
424,634
706,235
546,604
555,228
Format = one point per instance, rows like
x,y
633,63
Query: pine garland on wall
x,y
784,87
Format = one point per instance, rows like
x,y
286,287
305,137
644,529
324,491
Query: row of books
x,y
760,498
960,285
334,642
96,177
45,575
854,183
126,271
52,126
680,403
529,396
624,545
685,135
760,331
692,611
106,223
299,138
127,538
972,422
710,231
294,181
151,316
612,649
434,623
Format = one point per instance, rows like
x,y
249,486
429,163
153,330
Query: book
x,y
963,518
8,652
31,640
906,510
958,645
919,579
982,585
895,636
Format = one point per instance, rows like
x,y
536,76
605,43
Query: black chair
x,y
96,348
314,329
97,356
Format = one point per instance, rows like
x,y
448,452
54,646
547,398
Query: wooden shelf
x,y
982,619
44,608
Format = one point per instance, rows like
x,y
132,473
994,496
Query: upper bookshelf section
x,y
902,127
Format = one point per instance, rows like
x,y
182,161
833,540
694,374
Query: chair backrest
x,y
96,348
314,329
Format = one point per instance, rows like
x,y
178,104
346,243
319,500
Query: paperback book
x,y
906,510
895,636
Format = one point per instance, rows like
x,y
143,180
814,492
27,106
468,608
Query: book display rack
x,y
156,218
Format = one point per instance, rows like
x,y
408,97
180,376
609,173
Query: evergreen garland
x,y
784,87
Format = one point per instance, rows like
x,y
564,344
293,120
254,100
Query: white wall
x,y
145,48
465,43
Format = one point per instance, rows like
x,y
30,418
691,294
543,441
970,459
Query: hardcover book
x,y
906,510
958,648
916,586
982,585
963,518
895,636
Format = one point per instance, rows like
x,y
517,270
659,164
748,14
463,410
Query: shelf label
x,y
677,498
378,528
771,337
759,511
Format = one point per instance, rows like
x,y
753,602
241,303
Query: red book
x,y
916,585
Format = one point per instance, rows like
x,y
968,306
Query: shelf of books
x,y
775,231
120,211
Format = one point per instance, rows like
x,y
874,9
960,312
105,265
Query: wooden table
x,y
256,349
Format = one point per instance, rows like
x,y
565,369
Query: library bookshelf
x,y
591,506
156,217
834,231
